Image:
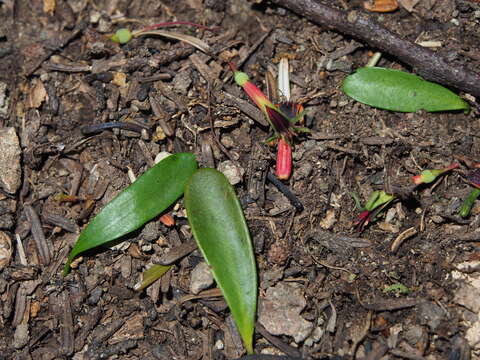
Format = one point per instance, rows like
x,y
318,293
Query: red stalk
x,y
284,160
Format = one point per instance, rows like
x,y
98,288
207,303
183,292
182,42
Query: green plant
x,y
124,35
429,175
217,223
473,177
376,203
400,91
281,118
147,197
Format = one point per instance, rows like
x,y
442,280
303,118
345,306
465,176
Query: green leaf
x,y
397,288
400,91
219,227
148,196
468,203
151,275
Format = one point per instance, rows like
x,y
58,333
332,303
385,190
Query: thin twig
x,y
285,191
426,63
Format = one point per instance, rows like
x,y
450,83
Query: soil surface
x,y
407,286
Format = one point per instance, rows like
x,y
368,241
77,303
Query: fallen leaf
x,y
37,95
381,5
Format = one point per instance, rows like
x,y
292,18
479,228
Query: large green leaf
x,y
399,91
221,232
148,196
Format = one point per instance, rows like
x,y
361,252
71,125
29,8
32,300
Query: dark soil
x,y
63,74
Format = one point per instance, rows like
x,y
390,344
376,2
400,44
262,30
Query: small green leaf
x,y
397,288
468,203
151,275
400,91
221,232
147,197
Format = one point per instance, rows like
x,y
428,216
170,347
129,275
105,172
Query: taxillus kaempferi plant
x,y
215,217
124,35
430,175
376,203
281,118
473,178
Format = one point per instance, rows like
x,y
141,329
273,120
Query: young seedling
x,y
124,35
280,117
428,176
474,179
376,203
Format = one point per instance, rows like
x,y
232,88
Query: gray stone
x,y
4,99
431,314
182,82
201,278
10,172
150,232
20,337
233,173
279,311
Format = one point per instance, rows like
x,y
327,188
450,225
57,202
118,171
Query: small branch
x,y
425,62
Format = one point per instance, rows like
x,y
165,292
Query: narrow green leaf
x,y
147,197
400,91
151,275
221,232
468,203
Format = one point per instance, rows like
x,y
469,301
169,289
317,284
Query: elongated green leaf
x,y
147,197
399,91
222,235
151,275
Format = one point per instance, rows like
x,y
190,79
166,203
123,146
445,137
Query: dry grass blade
x,y
199,44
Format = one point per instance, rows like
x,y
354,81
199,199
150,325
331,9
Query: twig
x,y
279,344
177,253
96,128
285,191
425,62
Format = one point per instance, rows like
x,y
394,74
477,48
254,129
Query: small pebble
x,y
201,278
10,171
231,171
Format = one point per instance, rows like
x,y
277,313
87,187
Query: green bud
x,y
122,36
240,78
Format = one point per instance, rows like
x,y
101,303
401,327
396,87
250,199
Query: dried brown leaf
x,y
195,42
37,95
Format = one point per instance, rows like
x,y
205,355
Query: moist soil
x,y
398,289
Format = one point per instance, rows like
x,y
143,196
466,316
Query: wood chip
x,y
5,250
44,246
